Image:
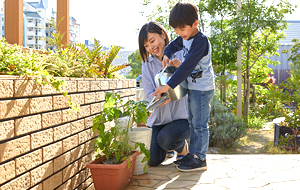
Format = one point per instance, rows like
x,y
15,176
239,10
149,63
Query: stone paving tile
x,y
242,175
186,176
210,177
148,183
206,186
282,185
174,184
264,172
137,188
150,176
235,183
278,176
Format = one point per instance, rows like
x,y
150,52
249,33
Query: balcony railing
x,y
30,25
30,33
30,42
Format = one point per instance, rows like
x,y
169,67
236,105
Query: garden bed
x,y
41,144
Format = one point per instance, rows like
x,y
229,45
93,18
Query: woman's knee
x,y
165,143
153,162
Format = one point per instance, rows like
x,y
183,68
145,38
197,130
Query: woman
x,y
169,121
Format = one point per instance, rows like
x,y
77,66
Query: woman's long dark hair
x,y
151,27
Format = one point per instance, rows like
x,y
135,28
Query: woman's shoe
x,y
170,154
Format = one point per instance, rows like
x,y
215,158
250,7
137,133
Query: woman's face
x,y
155,44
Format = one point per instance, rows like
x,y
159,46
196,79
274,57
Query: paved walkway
x,y
226,172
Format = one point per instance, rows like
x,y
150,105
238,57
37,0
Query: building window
x,y
29,38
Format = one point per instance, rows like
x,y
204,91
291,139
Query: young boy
x,y
196,75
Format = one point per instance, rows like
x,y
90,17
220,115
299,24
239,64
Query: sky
x,y
112,22
116,22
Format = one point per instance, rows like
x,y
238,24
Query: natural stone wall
x,y
44,145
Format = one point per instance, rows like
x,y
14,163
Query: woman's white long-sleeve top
x,y
171,111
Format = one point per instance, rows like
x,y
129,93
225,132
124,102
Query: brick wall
x,y
42,146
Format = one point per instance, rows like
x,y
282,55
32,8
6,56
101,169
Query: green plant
x,y
98,61
290,95
113,143
135,62
55,38
255,122
225,128
74,60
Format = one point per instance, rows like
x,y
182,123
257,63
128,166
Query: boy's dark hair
x,y
151,27
183,14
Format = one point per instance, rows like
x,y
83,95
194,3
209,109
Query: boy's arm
x,y
174,46
198,50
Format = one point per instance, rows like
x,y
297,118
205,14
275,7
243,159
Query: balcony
x,y
38,34
30,33
40,42
30,25
30,42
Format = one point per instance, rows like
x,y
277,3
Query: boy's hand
x,y
165,61
175,62
161,89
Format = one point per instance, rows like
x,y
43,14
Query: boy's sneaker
x,y
193,164
179,157
184,159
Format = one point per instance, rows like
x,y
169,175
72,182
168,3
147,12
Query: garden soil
x,y
253,143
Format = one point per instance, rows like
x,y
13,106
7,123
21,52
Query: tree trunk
x,y
247,94
221,92
225,92
245,85
253,94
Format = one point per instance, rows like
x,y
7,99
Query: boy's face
x,y
187,31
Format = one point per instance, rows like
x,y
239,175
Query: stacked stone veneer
x,y
42,146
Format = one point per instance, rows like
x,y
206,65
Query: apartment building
x,y
35,24
1,23
74,31
34,21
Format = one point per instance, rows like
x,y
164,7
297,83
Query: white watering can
x,y
161,78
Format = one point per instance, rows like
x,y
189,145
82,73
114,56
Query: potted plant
x,y
115,159
291,98
289,131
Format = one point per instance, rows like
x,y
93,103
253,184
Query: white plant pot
x,y
122,122
141,135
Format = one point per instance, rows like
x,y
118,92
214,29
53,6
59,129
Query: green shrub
x,y
255,122
225,128
45,66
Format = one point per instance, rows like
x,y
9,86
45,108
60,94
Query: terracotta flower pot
x,y
112,176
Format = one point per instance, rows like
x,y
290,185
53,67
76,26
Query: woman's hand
x,y
168,100
175,62
165,61
159,96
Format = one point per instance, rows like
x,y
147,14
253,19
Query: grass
x,y
256,142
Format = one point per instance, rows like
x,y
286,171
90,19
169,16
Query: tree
x,y
259,27
222,39
135,62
